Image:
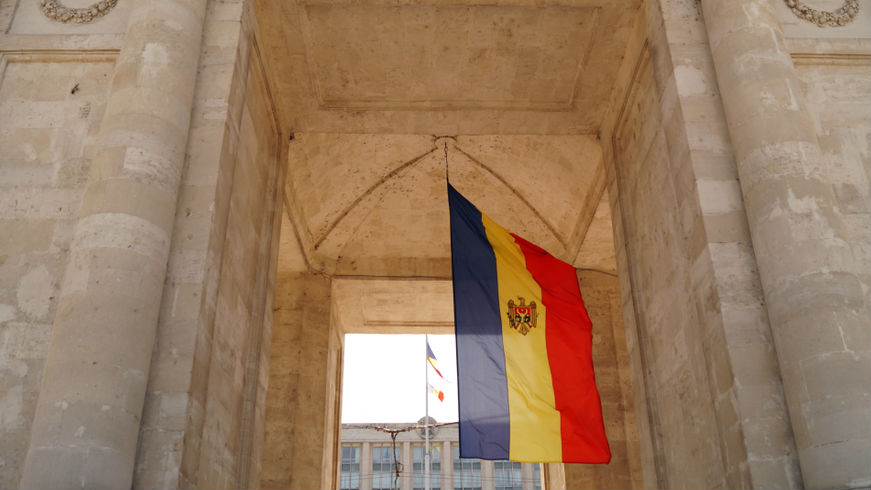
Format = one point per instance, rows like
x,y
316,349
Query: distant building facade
x,y
367,462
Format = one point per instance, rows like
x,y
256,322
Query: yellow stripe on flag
x,y
534,420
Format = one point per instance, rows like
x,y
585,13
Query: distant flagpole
x,y
426,469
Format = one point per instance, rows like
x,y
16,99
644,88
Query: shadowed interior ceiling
x,y
362,205
384,95
444,66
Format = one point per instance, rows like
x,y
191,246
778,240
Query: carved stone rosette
x,y
840,17
55,10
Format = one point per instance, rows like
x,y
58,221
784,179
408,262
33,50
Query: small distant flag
x,y
437,392
432,361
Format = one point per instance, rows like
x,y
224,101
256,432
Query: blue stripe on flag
x,y
483,389
429,353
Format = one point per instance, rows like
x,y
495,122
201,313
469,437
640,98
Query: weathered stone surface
x,y
443,68
806,260
305,359
599,130
87,419
38,201
352,221
205,405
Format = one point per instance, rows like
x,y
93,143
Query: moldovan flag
x,y
437,392
524,348
431,358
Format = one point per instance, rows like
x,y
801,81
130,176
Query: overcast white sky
x,y
384,378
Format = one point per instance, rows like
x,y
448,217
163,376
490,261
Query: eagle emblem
x,y
521,317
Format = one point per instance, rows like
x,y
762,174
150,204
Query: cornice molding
x,y
841,59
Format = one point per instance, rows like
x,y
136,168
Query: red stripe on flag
x,y
570,355
432,363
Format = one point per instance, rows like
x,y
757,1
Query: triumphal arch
x,y
199,198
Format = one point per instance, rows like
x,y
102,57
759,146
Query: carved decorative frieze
x,y
55,10
840,17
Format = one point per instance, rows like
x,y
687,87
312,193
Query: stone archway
x,y
365,197
362,198
390,274
691,146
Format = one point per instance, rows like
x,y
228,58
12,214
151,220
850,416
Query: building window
x,y
467,472
383,467
536,477
419,468
507,475
350,475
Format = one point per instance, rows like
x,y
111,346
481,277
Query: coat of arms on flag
x,y
521,317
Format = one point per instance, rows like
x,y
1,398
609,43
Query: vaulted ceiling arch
x,y
364,205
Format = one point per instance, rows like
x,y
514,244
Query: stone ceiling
x,y
374,206
443,66
383,95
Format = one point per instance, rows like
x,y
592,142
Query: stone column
x,y
86,426
488,475
526,474
555,475
818,315
406,482
366,467
447,466
298,409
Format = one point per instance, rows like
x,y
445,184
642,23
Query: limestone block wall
x,y
817,308
834,78
203,421
243,305
189,295
836,84
227,386
302,406
53,93
206,381
709,398
669,328
51,106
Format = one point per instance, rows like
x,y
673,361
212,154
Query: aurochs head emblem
x,y
521,317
